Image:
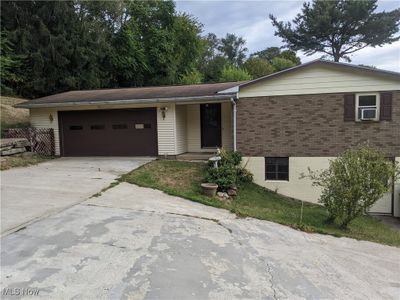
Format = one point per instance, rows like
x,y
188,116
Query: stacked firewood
x,y
13,146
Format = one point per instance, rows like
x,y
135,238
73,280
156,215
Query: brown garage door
x,y
119,132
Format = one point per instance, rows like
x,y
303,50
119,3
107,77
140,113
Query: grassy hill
x,y
10,116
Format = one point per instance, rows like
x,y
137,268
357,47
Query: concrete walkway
x,y
138,243
30,193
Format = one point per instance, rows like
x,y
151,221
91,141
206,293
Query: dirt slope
x,y
9,114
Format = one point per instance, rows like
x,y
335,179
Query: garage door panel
x,y
127,132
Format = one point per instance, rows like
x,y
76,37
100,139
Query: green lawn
x,y
183,179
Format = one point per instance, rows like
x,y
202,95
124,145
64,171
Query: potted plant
x,y
209,189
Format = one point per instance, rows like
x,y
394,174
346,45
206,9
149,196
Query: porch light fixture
x,y
163,111
51,118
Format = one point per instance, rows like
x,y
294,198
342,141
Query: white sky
x,y
249,19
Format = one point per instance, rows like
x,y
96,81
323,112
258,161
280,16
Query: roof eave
x,y
129,101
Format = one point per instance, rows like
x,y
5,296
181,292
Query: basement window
x,y
277,168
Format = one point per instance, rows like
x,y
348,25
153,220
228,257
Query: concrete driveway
x,y
28,194
138,243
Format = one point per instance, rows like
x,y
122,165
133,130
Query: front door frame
x,y
203,132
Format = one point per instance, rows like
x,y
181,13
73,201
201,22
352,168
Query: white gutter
x,y
234,121
132,101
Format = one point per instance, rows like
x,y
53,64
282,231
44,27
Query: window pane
x,y
283,168
367,100
283,176
97,127
119,126
147,125
75,127
270,168
270,176
282,161
271,160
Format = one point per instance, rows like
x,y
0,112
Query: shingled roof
x,y
136,95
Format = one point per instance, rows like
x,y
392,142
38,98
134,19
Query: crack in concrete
x,y
216,221
271,280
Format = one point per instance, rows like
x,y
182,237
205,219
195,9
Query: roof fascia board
x,y
131,101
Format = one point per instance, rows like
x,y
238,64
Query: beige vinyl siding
x,y
181,137
40,118
320,80
194,131
166,131
302,188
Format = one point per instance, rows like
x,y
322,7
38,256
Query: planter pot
x,y
209,189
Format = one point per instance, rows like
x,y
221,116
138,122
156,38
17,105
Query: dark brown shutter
x,y
349,107
386,106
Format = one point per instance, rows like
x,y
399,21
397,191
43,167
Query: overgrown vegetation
x,y
55,46
354,182
183,179
229,174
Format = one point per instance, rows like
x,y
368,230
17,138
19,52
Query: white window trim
x,y
378,104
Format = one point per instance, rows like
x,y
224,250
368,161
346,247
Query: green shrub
x,y
229,172
354,182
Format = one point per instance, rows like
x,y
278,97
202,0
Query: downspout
x,y
234,121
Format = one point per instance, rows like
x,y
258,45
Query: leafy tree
x,y
9,64
233,48
290,55
231,73
354,182
271,52
279,64
193,77
188,45
128,60
212,69
338,28
268,53
211,43
258,67
92,44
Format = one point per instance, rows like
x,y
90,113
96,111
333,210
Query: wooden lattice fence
x,y
41,139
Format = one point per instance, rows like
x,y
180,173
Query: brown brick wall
x,y
309,125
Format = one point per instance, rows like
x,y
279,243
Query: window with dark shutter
x,y
349,107
386,106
